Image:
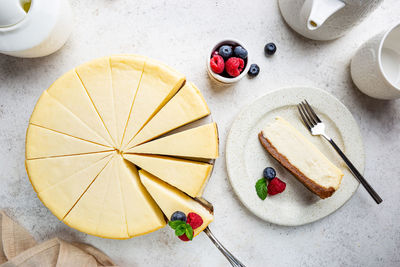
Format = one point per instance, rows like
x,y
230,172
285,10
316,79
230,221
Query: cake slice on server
x,y
186,175
49,113
142,213
62,196
157,86
302,158
170,200
186,106
42,143
69,91
100,211
100,91
45,172
199,142
126,72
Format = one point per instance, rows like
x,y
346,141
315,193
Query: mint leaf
x,y
261,188
175,224
180,231
189,232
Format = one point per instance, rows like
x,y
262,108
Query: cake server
x,y
317,127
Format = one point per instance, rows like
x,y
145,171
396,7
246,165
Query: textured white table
x,y
180,33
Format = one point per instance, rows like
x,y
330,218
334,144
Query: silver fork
x,y
317,127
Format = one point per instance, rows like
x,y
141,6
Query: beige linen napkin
x,y
18,248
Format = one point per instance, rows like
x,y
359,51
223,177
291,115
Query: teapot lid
x,y
13,11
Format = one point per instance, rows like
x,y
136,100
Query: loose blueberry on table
x,y
270,49
184,225
269,184
254,70
229,61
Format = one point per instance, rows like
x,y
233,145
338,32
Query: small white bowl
x,y
220,78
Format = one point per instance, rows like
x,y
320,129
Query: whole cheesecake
x,y
98,124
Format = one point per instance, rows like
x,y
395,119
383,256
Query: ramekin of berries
x,y
227,61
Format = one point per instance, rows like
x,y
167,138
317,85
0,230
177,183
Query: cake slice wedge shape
x,y
301,157
62,196
96,79
186,175
126,72
186,106
158,85
49,113
69,91
198,142
100,210
142,213
46,172
170,199
42,143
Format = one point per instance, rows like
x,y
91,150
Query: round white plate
x,y
246,158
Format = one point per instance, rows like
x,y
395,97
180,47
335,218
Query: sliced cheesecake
x,y
186,175
199,142
186,106
170,199
302,158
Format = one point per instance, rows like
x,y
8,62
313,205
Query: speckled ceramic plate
x,y
246,158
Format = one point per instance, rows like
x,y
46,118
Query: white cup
x,y
375,68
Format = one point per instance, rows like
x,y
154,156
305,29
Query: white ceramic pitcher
x,y
34,28
325,19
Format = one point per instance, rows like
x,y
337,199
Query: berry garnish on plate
x,y
217,64
254,70
234,66
240,52
276,186
269,173
225,51
270,49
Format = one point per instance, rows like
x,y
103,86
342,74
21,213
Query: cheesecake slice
x,y
170,199
186,175
185,107
199,142
302,158
158,85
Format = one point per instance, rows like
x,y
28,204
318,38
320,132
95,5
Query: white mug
x,y
375,68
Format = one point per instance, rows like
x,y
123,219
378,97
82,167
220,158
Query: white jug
x,y
34,28
325,19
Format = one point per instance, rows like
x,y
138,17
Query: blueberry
x,y
225,51
269,173
240,52
254,70
270,49
178,216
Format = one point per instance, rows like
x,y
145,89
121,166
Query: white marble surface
x,y
180,33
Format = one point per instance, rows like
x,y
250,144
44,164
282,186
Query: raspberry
x,y
183,237
217,64
234,66
276,186
194,220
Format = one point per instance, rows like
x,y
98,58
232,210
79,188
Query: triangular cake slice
x,y
199,142
186,175
100,211
42,142
126,71
96,78
158,84
69,91
49,113
46,172
186,106
142,213
62,196
170,199
301,157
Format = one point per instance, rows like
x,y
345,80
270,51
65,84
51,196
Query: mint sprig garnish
x,y
181,228
261,188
